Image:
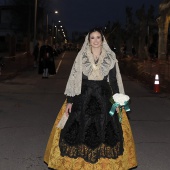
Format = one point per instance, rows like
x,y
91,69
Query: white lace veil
x,y
74,83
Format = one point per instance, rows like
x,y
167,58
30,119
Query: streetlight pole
x,y
56,31
56,12
47,25
35,21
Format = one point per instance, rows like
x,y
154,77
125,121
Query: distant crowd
x,y
44,56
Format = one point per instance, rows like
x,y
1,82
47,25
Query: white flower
x,y
120,98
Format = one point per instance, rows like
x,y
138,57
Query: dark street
x,y
29,107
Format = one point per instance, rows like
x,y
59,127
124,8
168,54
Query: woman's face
x,y
95,39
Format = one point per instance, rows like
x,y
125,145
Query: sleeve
x,y
70,99
113,80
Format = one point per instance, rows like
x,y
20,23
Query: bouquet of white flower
x,y
121,101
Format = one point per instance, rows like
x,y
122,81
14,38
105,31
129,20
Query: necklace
x,y
96,56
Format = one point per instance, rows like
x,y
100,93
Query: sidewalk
x,y
145,71
15,64
162,68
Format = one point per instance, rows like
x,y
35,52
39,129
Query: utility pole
x,y
35,21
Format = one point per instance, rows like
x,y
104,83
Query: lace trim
x,y
73,86
97,71
90,155
74,83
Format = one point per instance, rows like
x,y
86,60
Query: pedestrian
x,y
46,60
77,47
85,135
1,64
133,51
36,54
123,50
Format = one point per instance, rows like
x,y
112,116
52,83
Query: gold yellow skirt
x,y
55,161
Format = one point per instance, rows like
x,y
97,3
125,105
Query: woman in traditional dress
x,y
92,139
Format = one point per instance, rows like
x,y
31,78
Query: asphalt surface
x,y
29,107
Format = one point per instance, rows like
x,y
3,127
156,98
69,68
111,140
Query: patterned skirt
x,y
91,139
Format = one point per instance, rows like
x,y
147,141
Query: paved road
x,y
29,106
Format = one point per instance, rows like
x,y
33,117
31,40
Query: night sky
x,y
82,15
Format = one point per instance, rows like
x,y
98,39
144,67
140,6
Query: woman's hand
x,y
117,110
68,108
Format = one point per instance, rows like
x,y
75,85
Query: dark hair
x,y
94,30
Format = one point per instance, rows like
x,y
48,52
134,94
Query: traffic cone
x,y
156,84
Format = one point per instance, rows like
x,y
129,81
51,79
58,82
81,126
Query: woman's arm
x,y
70,101
113,80
113,83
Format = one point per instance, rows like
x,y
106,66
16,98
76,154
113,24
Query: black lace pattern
x,y
90,132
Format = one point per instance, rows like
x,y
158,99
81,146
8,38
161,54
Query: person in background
x,y
133,51
77,47
46,60
36,54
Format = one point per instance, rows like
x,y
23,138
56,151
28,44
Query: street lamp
x,y
56,12
57,29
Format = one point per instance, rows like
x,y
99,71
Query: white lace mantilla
x,y
84,63
101,69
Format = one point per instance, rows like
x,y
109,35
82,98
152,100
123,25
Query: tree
x,y
113,34
130,27
142,18
146,30
151,24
